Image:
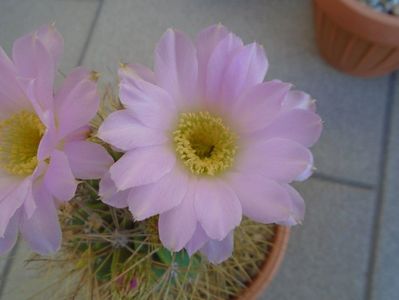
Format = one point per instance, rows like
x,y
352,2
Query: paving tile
x,y
352,108
3,263
9,281
7,260
327,256
24,281
386,276
73,19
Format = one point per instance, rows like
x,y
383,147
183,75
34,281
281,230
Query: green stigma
x,y
20,136
204,144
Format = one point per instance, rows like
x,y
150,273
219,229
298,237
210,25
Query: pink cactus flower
x,y
207,141
43,145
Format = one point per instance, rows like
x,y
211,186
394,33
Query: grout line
x,y
90,34
344,181
7,267
380,197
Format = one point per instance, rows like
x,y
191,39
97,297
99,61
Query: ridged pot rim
x,y
362,20
270,266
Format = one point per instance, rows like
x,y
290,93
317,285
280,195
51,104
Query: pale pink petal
x,y
12,97
297,208
260,105
87,160
44,112
176,66
30,205
8,183
206,42
247,68
218,63
121,130
262,200
131,71
299,125
78,75
307,172
142,166
42,231
9,239
118,199
299,100
219,251
59,179
279,159
177,226
147,102
79,134
81,93
152,199
32,60
12,201
48,142
110,195
52,40
197,241
217,208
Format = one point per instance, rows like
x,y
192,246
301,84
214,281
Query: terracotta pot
x,y
355,39
270,265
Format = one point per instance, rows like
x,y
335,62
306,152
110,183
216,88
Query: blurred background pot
x,y
356,39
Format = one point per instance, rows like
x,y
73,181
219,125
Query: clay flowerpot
x,y
355,39
270,266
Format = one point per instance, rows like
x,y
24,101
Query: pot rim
x,y
370,13
362,20
270,265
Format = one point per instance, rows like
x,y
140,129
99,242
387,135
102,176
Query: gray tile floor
x,y
348,246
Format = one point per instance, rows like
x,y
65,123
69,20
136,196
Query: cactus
x,y
106,255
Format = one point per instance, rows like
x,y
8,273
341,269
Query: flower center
x,y
204,144
20,136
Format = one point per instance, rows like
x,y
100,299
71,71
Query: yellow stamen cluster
x,y
20,136
204,144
